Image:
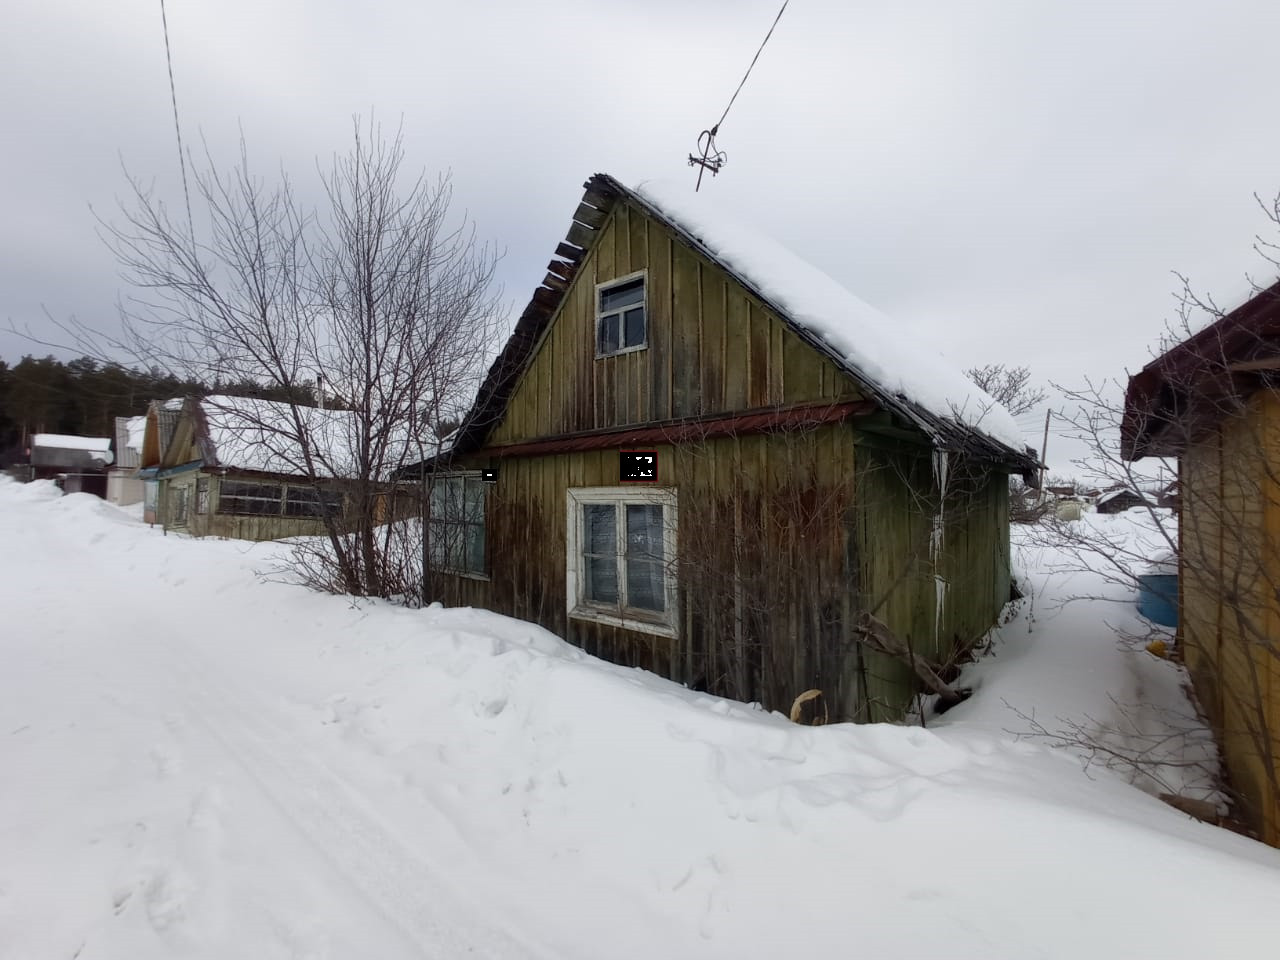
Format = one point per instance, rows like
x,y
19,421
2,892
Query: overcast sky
x,y
1017,178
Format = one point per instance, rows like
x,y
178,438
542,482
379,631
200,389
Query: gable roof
x,y
913,384
1181,393
262,436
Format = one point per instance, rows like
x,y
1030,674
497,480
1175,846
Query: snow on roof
x,y
137,428
1112,494
65,441
263,436
885,353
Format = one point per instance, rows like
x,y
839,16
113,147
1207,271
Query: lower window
x,y
621,557
457,523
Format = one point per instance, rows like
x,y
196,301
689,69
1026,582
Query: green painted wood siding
x,y
712,348
782,539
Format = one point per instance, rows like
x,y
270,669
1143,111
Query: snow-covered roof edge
x,y
981,428
67,441
868,345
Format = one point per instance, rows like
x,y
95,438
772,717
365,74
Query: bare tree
x,y
383,294
1010,386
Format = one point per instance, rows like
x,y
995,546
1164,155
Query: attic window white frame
x,y
603,288
664,623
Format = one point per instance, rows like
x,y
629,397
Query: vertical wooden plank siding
x,y
711,347
1229,575
768,525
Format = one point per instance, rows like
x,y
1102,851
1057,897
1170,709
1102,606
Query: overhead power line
x,y
177,127
712,158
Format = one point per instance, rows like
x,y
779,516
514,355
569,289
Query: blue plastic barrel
x,y
1158,597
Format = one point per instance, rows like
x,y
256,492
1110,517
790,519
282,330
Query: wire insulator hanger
x,y
712,158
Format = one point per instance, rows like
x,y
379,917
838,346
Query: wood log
x,y
875,634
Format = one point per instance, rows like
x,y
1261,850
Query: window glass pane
x,y
609,334
622,295
644,531
634,323
599,521
455,547
475,547
602,579
600,552
435,545
437,497
645,585
645,561
474,497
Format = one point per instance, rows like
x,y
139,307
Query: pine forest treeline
x,y
83,397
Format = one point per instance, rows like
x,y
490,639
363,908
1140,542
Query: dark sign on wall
x,y
638,466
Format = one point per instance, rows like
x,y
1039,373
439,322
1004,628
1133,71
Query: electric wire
x,y
177,127
711,157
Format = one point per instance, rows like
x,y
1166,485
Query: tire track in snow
x,y
332,816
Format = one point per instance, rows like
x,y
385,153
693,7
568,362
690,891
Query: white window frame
x,y
664,624
464,476
644,302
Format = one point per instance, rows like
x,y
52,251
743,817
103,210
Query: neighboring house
x,y
1119,500
1212,402
78,464
157,432
699,455
124,486
233,467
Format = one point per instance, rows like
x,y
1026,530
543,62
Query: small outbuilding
x,y
1120,500
77,464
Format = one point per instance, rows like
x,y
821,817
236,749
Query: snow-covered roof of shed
x,y
66,441
262,436
137,428
1123,491
883,353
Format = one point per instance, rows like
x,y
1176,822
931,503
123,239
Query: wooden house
x,y
699,455
1212,402
233,467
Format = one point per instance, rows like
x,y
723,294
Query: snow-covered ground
x,y
198,762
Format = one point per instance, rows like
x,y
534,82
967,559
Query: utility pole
x,y
1044,446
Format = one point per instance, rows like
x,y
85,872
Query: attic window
x,y
620,316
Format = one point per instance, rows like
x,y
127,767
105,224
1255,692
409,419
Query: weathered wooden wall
x,y
711,347
1230,611
779,546
897,501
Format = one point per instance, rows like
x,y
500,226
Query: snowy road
x,y
199,762
194,792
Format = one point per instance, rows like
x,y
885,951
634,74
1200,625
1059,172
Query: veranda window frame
x,y
437,522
